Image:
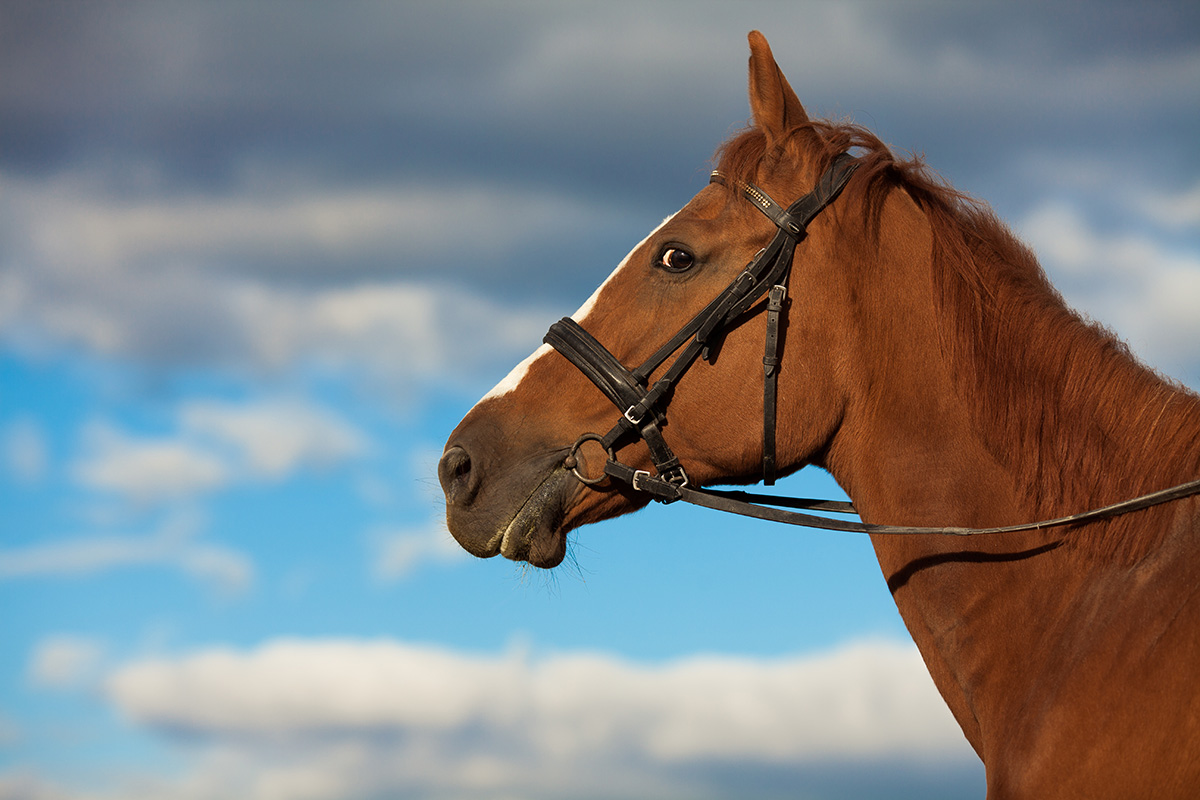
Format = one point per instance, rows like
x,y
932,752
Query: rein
x,y
644,405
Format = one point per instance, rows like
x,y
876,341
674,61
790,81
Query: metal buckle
x,y
629,415
676,477
776,297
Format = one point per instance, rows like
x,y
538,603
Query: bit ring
x,y
571,462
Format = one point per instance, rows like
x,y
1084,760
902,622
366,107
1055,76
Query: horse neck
x,y
990,403
979,387
1060,403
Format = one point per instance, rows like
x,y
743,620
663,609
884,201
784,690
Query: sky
x,y
258,258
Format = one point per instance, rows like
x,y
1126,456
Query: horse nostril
x,y
456,477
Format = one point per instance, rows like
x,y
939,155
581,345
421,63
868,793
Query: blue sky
x,y
257,259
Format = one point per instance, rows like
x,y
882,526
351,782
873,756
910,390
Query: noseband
x,y
644,404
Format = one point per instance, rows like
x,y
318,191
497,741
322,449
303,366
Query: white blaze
x,y
513,378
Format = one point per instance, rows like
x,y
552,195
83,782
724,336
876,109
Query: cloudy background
x,y
256,259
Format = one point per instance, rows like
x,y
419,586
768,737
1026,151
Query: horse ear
x,y
775,106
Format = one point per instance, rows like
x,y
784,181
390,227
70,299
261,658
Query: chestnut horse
x,y
926,362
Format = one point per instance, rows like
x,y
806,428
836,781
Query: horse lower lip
x,y
538,516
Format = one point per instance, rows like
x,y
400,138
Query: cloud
x,y
1138,284
400,551
65,661
337,718
80,221
864,700
24,450
146,469
258,212
296,74
172,545
1173,210
271,439
264,284
411,333
215,444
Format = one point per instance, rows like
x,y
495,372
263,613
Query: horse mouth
x,y
535,532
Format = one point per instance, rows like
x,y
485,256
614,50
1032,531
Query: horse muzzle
x,y
500,505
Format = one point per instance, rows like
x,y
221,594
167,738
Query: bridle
x,y
644,404
767,273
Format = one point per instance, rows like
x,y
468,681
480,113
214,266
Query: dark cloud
x,y
609,113
618,102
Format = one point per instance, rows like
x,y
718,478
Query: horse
x,y
922,357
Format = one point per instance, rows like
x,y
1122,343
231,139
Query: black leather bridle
x,y
644,404
767,273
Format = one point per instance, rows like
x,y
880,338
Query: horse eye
x,y
676,259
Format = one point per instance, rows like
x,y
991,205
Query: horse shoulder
x,y
1118,708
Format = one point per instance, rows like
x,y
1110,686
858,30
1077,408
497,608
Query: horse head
x,y
507,489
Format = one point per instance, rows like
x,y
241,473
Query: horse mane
x,y
1057,398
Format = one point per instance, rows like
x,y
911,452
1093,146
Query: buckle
x,y
629,415
776,297
660,489
676,477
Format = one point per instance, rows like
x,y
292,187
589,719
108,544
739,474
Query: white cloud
x,y
400,551
215,444
65,661
28,785
1173,210
173,545
148,468
1145,290
171,279
399,332
297,719
868,699
75,224
274,438
404,331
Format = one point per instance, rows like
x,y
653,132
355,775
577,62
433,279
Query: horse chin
x,y
535,534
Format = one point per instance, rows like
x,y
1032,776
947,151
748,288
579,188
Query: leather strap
x,y
767,272
758,506
793,227
775,300
625,391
